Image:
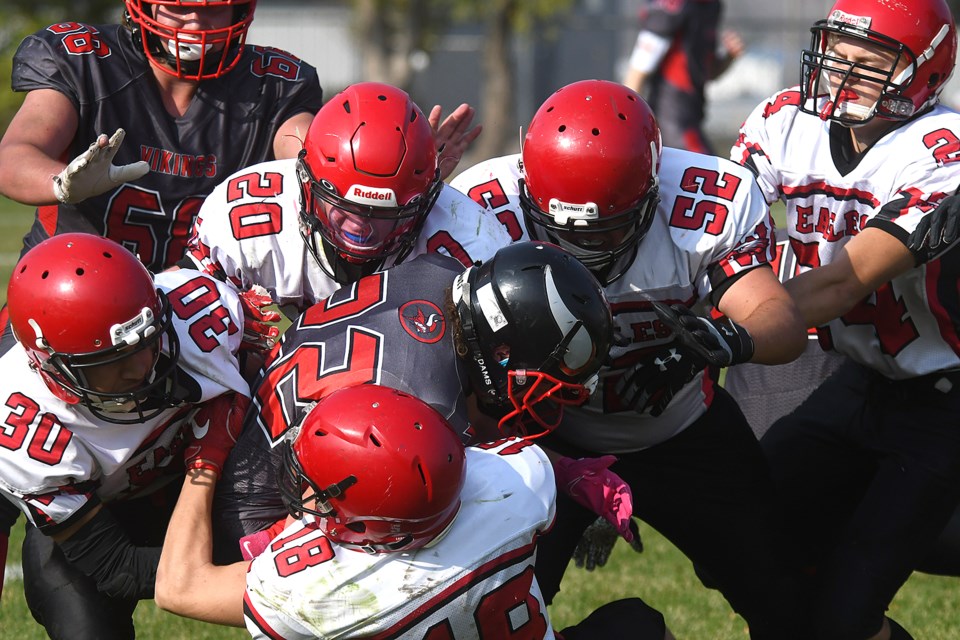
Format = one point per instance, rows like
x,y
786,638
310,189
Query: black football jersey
x,y
390,328
231,124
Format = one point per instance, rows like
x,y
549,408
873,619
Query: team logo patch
x,y
423,320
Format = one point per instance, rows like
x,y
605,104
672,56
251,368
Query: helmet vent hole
x,y
107,254
417,426
413,116
357,527
562,128
45,274
80,272
375,442
423,476
595,131
382,98
346,106
621,116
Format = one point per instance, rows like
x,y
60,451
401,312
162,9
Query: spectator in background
x,y
861,152
675,54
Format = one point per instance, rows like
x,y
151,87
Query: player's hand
x,y
937,232
598,541
260,330
651,383
590,483
453,136
93,172
214,427
719,342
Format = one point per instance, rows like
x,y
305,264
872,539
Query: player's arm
x,y
289,139
33,148
868,260
760,304
645,59
98,546
188,583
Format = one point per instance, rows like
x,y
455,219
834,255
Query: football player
x,y
868,467
111,369
394,530
179,80
665,230
500,347
364,194
197,102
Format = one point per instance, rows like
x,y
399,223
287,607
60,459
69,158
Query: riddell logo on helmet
x,y
857,22
371,196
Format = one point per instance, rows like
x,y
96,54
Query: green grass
x,y
661,575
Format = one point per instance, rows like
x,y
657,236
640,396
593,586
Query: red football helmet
x,y
383,469
369,177
590,162
191,54
78,301
921,32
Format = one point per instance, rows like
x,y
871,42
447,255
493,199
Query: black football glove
x,y
652,382
937,232
721,342
598,541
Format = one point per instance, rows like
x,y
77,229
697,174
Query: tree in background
x,y
20,18
391,33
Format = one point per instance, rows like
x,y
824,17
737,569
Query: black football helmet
x,y
537,327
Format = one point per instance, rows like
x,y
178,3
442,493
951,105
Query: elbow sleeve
x,y
102,550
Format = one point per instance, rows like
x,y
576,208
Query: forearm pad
x,y
102,550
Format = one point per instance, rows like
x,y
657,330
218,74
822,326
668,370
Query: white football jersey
x,y
56,458
477,581
249,228
906,328
712,224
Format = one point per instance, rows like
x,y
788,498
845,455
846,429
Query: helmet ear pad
x,y
537,327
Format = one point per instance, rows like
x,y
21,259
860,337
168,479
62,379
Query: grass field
x,y
929,606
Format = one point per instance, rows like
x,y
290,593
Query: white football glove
x,y
93,172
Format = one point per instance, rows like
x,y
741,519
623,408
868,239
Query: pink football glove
x,y
215,426
260,332
253,544
593,485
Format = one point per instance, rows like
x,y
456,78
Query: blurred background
x,y
502,56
